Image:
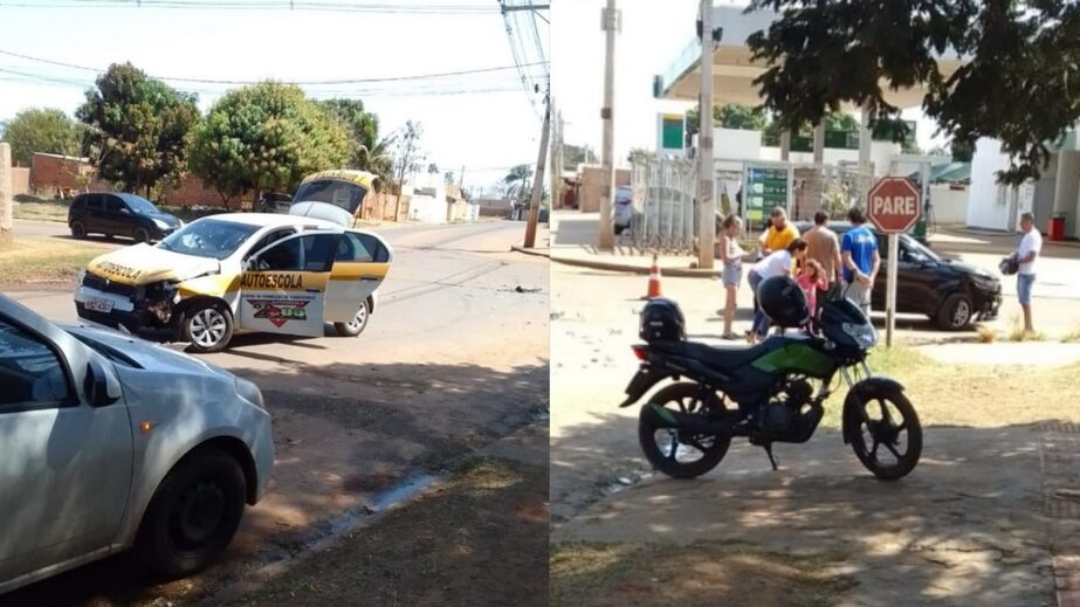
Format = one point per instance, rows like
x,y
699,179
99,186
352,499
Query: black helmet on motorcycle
x,y
783,301
662,320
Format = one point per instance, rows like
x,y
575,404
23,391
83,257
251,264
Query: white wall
x,y
734,144
988,203
427,209
949,205
881,152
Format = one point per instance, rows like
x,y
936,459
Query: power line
x,y
262,5
302,83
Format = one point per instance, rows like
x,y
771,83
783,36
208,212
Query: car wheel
x,y
141,235
208,327
78,230
357,325
193,515
956,313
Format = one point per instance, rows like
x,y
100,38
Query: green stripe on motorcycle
x,y
663,413
797,358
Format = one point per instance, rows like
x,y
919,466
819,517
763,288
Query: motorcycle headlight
x,y
250,392
864,335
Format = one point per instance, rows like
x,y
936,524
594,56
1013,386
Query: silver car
x,y
113,443
623,211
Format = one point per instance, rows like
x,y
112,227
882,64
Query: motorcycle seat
x,y
726,357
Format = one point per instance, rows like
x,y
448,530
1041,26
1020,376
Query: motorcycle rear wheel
x,y
684,397
883,431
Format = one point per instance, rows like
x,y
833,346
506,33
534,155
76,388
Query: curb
x,y
633,269
533,252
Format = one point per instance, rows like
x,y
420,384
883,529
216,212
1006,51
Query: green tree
x,y
46,130
961,151
1019,84
363,128
137,128
448,178
266,137
639,155
409,155
516,181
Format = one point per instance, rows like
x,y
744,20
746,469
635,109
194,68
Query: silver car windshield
x,y
213,238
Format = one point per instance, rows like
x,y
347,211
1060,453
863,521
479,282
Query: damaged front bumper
x,y
145,310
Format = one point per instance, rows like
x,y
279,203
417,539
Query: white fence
x,y
664,205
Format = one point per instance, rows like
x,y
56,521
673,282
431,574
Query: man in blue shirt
x,y
861,260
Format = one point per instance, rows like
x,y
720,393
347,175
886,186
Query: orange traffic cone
x,y
654,280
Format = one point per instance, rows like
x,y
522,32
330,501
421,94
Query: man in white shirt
x,y
1026,254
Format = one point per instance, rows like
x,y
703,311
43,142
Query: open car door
x,y
283,289
361,262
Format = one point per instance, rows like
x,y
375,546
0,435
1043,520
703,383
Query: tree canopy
x,y
1019,84
266,137
137,128
46,130
363,128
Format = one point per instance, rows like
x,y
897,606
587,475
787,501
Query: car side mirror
x,y
125,211
102,387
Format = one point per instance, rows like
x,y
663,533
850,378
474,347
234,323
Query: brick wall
x,y
55,175
589,192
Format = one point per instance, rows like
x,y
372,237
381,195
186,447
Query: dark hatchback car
x,y
116,214
951,293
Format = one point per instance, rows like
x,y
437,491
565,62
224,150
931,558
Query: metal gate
x,y
664,205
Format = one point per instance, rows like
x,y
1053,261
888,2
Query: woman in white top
x,y
777,263
732,254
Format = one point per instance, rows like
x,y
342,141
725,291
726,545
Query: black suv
x,y
951,293
116,214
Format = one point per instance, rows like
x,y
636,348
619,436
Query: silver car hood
x,y
153,358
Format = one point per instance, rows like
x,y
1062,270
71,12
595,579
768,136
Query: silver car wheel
x,y
208,327
359,320
962,314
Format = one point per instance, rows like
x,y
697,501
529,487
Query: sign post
x,y
893,205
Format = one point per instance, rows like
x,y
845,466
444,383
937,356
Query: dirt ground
x,y
702,574
447,548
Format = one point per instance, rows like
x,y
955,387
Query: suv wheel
x,y
141,235
78,230
956,312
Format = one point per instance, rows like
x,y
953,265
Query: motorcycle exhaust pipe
x,y
660,417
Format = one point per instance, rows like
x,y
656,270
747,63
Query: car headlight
x,y
250,392
863,334
161,225
80,277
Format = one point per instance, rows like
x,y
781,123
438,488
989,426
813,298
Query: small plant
x,y
986,334
1072,336
1018,334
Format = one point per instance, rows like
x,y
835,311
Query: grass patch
x,y
971,395
1017,333
986,335
697,575
44,260
1072,336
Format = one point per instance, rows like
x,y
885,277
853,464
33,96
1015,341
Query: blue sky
x,y
488,124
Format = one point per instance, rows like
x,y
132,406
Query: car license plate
x,y
99,305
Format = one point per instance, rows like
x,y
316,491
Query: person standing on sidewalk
x,y
779,263
861,260
779,234
823,246
732,253
1026,254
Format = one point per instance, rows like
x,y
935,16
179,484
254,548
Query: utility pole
x,y
611,19
538,179
556,168
461,183
706,170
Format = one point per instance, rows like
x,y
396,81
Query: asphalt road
x,y
455,357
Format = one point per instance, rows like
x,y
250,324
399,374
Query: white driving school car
x,y
112,443
285,274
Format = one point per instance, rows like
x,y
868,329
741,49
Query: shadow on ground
x,y
346,437
971,526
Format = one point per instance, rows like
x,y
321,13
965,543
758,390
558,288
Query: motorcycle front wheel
x,y
888,436
673,452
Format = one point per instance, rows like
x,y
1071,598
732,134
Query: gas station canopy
x,y
734,71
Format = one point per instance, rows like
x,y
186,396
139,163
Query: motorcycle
x,y
765,393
